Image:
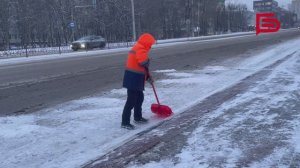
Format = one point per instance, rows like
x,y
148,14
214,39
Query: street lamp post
x,y
133,21
72,24
94,3
228,22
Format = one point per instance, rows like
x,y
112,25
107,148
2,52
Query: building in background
x,y
287,18
265,6
295,7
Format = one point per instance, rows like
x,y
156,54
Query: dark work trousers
x,y
134,100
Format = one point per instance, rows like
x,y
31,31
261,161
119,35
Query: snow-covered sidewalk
x,y
258,128
71,134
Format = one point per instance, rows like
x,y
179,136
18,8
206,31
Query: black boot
x,y
141,121
128,126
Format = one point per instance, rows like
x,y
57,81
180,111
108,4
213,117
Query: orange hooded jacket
x,y
137,62
138,55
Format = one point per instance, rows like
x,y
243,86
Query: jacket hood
x,y
147,40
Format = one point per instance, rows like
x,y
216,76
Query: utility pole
x,y
94,3
73,23
133,21
229,22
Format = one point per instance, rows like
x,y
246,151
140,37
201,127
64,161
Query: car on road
x,y
88,42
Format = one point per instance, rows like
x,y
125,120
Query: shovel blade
x,y
161,110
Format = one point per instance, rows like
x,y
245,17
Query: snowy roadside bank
x,y
109,46
73,133
160,44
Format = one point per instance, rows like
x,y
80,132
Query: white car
x,y
88,42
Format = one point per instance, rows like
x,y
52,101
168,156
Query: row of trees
x,y
47,22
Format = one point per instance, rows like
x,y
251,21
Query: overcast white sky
x,y
250,3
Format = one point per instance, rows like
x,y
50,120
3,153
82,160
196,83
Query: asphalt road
x,y
28,87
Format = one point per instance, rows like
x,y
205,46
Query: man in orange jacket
x,y
136,73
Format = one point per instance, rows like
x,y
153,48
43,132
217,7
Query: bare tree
x,y
47,23
4,25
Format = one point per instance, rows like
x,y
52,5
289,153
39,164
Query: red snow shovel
x,y
158,109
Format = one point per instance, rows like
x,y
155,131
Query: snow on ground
x,y
71,134
165,71
259,128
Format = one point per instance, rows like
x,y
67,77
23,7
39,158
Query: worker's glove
x,y
150,79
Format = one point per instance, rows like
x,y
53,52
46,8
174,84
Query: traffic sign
x,y
72,24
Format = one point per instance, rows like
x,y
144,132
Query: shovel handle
x,y
155,93
148,74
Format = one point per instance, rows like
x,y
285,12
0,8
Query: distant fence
x,y
109,45
54,50
34,51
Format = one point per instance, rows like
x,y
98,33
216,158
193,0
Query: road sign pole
x,y
133,20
